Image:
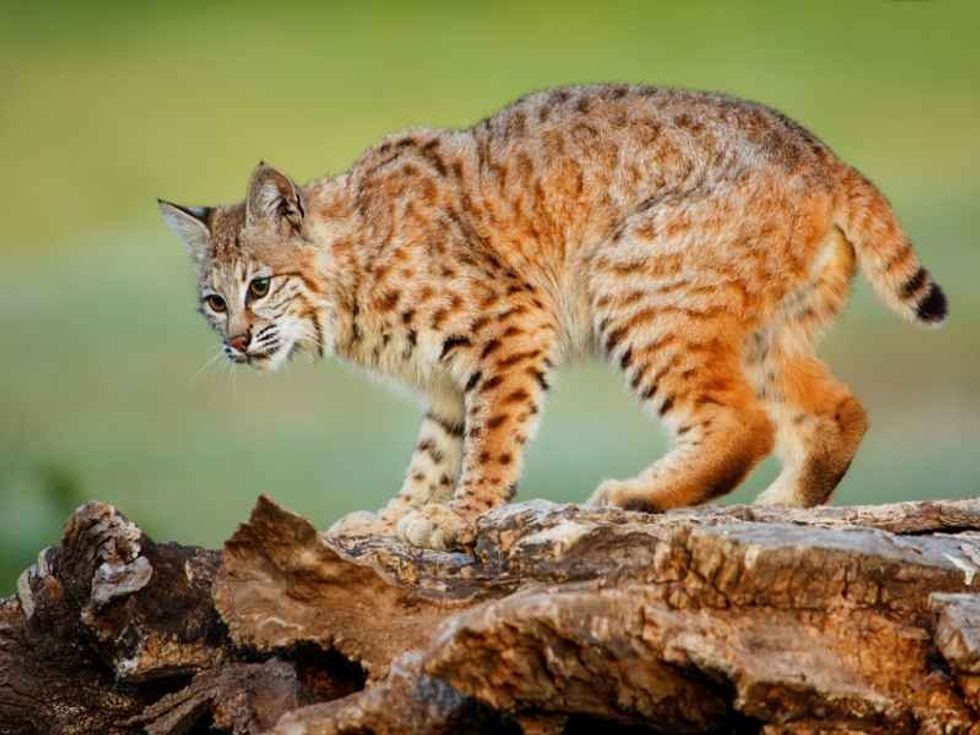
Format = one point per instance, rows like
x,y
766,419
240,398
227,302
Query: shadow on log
x,y
561,619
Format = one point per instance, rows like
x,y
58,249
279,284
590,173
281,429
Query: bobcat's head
x,y
258,282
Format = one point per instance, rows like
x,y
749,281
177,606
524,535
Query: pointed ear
x,y
190,224
274,199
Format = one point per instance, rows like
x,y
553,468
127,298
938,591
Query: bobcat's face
x,y
260,313
257,286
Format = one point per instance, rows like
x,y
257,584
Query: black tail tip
x,y
932,308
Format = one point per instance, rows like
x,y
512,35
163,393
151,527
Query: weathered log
x,y
560,619
104,610
239,697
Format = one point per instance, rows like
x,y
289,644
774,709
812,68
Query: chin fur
x,y
270,363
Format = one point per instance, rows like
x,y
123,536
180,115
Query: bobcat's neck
x,y
340,233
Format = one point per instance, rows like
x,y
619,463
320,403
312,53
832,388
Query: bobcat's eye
x,y
215,302
258,288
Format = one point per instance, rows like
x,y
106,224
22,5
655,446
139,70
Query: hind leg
x,y
676,292
681,348
820,423
720,428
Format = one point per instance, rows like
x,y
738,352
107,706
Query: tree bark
x,y
560,619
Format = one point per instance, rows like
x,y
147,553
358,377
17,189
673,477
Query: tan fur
x,y
699,242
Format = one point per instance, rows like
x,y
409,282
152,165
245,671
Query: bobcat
x,y
698,242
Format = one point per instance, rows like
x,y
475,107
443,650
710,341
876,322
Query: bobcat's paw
x,y
624,494
435,526
361,523
780,492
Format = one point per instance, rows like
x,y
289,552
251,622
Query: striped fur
x,y
698,242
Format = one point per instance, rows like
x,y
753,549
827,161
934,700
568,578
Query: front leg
x,y
434,468
432,471
503,400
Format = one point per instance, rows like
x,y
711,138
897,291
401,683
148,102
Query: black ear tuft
x,y
202,214
190,224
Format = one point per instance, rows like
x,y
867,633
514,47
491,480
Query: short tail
x,y
885,253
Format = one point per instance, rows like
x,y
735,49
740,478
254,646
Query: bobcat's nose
x,y
240,342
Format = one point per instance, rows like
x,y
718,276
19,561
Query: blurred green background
x,y
106,106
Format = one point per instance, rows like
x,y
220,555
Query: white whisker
x,y
207,363
229,376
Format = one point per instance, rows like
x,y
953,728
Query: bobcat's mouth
x,y
270,359
261,357
265,359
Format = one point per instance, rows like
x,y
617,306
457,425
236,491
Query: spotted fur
x,y
698,242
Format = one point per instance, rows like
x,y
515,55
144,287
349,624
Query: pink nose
x,y
239,341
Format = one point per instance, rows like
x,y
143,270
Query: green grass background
x,y
107,105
